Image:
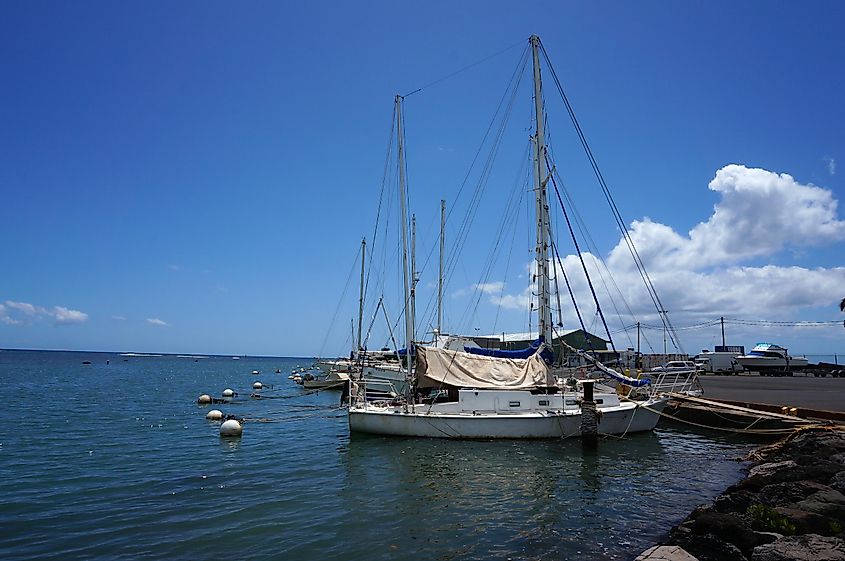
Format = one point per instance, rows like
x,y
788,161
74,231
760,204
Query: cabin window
x,y
544,402
513,403
599,401
570,402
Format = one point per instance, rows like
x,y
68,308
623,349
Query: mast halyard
x,y
414,278
361,295
409,316
542,206
440,275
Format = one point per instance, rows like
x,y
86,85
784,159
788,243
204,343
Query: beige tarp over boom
x,y
439,367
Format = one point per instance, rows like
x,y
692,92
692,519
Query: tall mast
x,y
409,319
440,275
540,180
361,294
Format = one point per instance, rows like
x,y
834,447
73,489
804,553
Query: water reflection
x,y
475,499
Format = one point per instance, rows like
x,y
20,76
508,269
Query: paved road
x,y
799,391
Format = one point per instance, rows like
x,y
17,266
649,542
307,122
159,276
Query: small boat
x,y
771,360
332,381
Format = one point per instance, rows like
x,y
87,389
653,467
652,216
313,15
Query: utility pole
x,y
663,318
722,319
637,360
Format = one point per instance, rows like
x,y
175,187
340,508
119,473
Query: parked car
x,y
675,366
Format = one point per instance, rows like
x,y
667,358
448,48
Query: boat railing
x,y
370,391
678,381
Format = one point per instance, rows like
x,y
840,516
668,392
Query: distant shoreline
x,y
136,354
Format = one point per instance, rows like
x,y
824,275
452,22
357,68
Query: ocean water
x,y
117,461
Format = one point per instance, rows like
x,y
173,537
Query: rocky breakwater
x,y
791,506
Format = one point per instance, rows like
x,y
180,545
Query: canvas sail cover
x,y
442,367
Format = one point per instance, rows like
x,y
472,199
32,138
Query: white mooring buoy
x,y
228,392
231,428
255,372
214,415
204,399
257,386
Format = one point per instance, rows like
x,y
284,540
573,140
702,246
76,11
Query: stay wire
x,y
581,258
615,210
464,69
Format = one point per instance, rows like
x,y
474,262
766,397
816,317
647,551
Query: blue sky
x,y
197,176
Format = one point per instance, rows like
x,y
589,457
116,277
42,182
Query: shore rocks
x,y
790,506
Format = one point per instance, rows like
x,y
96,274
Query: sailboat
x,y
485,394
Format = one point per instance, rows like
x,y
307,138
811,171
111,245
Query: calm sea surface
x,y
116,461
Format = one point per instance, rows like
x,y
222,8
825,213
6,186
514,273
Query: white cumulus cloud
x,y
759,214
24,313
64,316
710,270
156,321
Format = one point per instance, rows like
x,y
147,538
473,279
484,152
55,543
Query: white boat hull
x,y
423,421
767,364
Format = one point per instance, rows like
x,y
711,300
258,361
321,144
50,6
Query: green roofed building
x,y
577,338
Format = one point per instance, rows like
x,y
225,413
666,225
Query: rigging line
x,y
366,339
572,295
508,223
581,258
615,210
593,248
454,253
509,218
465,68
523,190
339,303
484,181
384,181
785,323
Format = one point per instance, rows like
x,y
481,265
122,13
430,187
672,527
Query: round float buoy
x,y
228,392
257,386
214,415
204,399
255,372
231,428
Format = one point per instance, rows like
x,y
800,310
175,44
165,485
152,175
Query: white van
x,y
718,362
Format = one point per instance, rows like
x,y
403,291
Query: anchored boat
x,y
482,393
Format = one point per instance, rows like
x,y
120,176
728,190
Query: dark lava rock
x,y
708,547
798,488
838,482
737,501
788,493
808,547
826,501
809,522
821,472
726,527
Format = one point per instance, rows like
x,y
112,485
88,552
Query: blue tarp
x,y
547,354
